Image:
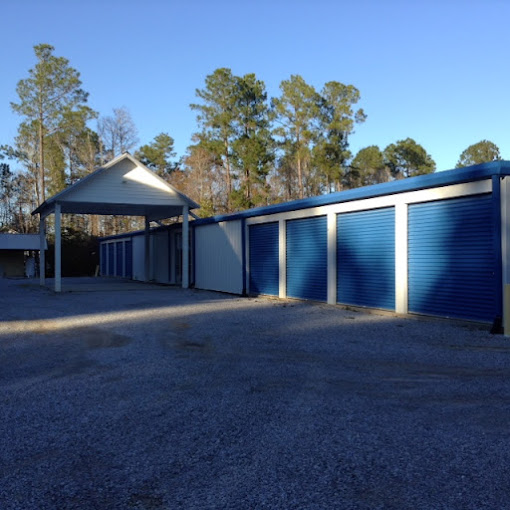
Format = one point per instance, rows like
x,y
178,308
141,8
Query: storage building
x,y
123,255
18,253
436,244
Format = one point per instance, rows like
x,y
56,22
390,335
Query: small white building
x,y
18,253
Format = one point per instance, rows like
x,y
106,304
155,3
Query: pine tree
x,y
51,93
481,152
296,110
158,155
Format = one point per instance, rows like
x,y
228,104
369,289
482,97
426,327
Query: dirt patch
x,y
101,339
204,346
180,325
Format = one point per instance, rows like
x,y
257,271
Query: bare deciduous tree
x,y
117,134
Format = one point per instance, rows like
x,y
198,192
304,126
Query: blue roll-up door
x,y
264,259
366,258
307,258
128,247
111,259
103,259
451,258
119,254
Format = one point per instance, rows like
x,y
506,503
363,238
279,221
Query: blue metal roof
x,y
435,180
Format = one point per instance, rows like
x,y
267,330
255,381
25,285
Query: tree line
x,y
249,149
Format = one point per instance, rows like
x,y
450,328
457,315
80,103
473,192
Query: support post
x,y
42,252
401,262
58,249
282,259
332,258
498,247
147,240
505,252
246,235
243,256
185,247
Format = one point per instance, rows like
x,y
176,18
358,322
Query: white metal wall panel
x,y
160,258
177,244
128,256
171,257
138,258
218,257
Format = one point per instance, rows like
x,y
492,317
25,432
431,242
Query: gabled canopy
x,y
124,186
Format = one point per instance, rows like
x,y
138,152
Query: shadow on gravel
x,y
186,399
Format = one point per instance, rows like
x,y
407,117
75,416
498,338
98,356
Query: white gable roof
x,y
123,186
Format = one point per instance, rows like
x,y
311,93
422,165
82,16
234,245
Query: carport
x,y
123,187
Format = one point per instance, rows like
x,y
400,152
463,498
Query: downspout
x,y
243,250
193,254
498,253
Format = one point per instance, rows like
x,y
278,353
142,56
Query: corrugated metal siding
x,y
111,259
178,257
218,257
366,258
171,257
128,248
451,258
139,258
264,259
160,259
307,258
119,253
103,259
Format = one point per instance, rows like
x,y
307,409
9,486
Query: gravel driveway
x,y
160,398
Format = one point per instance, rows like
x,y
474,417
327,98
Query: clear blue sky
x,y
437,71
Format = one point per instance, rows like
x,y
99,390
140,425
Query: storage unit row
x,y
437,245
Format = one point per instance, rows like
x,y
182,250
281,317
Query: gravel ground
x,y
160,398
